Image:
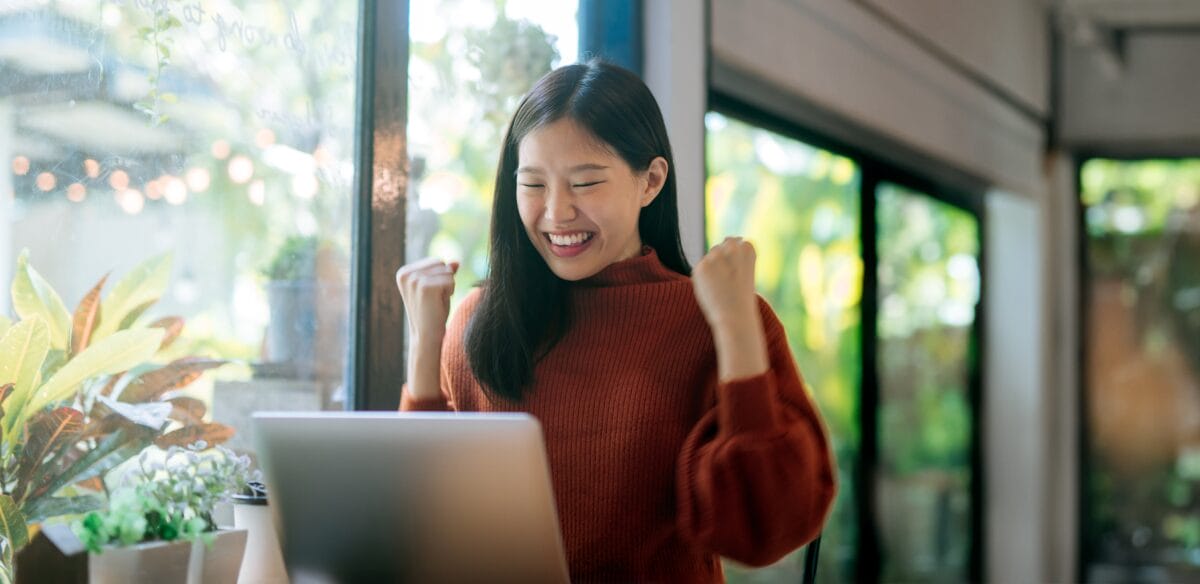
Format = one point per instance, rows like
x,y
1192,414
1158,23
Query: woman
x,y
677,426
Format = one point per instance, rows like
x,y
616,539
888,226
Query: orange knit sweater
x,y
657,468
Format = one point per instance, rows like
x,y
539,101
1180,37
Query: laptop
x,y
411,497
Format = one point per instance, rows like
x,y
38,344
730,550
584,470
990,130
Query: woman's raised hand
x,y
426,287
724,283
724,286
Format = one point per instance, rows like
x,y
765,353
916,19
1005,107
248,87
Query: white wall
x,y
1151,102
1006,41
1015,423
675,72
844,59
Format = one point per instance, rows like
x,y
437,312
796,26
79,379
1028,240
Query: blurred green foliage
x,y
928,289
799,206
463,87
1142,235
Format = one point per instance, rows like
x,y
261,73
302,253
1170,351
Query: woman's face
x,y
579,201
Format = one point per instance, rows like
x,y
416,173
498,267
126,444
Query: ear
x,y
656,177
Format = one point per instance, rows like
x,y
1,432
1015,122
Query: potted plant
x,y
83,392
307,294
159,525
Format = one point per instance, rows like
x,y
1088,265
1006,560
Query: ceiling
x,y
1130,15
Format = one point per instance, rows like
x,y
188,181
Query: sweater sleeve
x,y
755,478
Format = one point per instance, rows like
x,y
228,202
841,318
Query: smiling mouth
x,y
568,245
569,240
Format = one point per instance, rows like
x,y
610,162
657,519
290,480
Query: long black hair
x,y
524,308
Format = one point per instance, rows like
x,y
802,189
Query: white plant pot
x,y
166,562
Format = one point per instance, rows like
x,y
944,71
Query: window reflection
x,y
137,130
799,206
1142,323
928,288
470,62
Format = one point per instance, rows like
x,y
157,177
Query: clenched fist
x,y
724,286
426,287
724,283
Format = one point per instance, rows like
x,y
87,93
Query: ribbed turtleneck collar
x,y
644,268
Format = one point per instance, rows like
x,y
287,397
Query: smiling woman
x,y
697,432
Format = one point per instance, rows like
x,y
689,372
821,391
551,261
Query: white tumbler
x,y
263,563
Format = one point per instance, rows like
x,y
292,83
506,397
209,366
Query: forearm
x,y
741,347
424,369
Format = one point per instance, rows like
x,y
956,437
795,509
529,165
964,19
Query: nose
x,y
560,206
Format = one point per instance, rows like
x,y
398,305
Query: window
x,y
799,206
470,63
1141,473
136,131
928,288
897,391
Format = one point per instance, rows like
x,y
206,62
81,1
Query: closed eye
x,y
581,185
532,186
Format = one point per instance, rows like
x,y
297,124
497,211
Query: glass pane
x,y
213,138
1142,243
928,289
470,63
799,206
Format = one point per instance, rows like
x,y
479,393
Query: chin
x,y
572,273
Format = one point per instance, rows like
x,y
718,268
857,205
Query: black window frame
x,y
953,188
608,29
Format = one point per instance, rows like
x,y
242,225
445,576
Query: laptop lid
x,y
411,497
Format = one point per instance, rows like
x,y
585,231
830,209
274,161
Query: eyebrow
x,y
577,168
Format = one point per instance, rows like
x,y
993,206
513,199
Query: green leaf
x,y
55,359
86,318
213,434
170,98
113,354
12,527
179,373
22,351
174,327
47,507
5,324
49,433
125,443
187,410
134,315
145,283
32,295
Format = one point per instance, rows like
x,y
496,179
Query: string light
x,y
91,168
20,166
76,192
198,179
46,182
264,137
174,189
220,149
241,170
131,201
118,180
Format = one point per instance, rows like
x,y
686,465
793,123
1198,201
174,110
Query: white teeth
x,y
569,240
